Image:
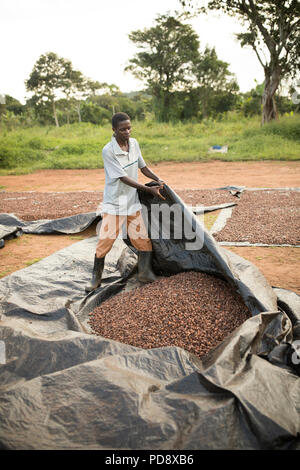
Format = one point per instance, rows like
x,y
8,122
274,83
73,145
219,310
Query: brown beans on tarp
x,y
191,310
271,217
36,205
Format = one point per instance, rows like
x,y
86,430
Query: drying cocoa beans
x,y
192,310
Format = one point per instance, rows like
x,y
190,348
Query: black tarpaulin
x,y
10,225
62,387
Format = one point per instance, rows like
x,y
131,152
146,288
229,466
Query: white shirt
x,y
118,197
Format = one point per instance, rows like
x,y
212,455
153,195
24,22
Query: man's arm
x,y
154,190
149,174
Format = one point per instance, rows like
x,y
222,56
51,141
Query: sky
x,y
93,35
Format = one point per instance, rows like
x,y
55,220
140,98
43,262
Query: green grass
x,y
4,273
25,150
30,262
210,218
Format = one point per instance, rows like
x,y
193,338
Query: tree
x,y
14,105
81,88
250,103
10,104
273,29
50,77
74,87
168,51
213,80
95,114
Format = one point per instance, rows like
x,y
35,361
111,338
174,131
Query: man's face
x,y
123,131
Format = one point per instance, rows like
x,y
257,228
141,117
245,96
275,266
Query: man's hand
x,y
155,190
158,183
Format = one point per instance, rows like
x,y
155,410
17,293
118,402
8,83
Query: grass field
x,y
24,150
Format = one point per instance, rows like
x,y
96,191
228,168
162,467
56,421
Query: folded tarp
x,y
9,224
62,387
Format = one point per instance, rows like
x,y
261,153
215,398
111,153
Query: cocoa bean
x,y
192,310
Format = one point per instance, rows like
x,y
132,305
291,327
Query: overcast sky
x,y
93,34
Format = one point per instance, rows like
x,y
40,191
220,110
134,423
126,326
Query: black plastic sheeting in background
x,y
64,388
11,225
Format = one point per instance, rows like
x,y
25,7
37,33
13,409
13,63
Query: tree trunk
x,y
204,105
166,106
54,113
269,108
78,112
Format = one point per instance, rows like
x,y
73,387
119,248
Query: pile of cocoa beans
x,y
192,310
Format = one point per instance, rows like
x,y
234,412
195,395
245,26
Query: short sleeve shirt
x,y
118,197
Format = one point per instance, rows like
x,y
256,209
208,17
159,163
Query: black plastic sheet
x,y
11,225
62,387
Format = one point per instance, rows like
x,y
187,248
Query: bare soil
x,y
193,175
280,265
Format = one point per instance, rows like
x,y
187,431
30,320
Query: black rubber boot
x,y
97,274
145,273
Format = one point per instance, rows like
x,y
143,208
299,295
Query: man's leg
x,y
138,235
109,231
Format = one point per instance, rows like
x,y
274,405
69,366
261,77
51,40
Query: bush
x,y
35,143
287,127
90,112
12,157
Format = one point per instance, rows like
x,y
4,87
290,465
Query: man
x,y
122,158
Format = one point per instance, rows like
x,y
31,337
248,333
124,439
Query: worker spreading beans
x,y
191,310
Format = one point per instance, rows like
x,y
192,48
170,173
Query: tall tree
x,y
213,78
78,88
74,86
8,103
168,51
273,33
49,79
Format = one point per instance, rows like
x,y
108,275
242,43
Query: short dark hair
x,y
119,117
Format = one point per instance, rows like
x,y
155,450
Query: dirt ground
x,y
280,265
194,175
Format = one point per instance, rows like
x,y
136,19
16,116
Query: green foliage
x,y
250,103
168,51
184,83
79,145
90,112
272,32
288,128
53,76
13,105
33,261
49,77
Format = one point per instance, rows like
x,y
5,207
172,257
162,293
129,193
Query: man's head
x,y
121,126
